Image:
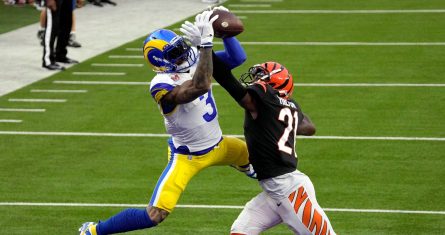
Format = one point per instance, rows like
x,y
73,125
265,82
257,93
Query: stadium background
x,y
104,145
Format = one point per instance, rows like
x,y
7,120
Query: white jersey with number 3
x,y
193,125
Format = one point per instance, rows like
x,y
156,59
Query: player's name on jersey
x,y
286,103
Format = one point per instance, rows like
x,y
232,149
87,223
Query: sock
x,y
126,220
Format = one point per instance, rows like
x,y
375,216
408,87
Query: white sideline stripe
x,y
100,73
102,134
339,11
342,43
101,83
248,5
369,85
38,100
373,138
10,120
126,57
116,65
58,91
57,204
296,84
21,110
83,134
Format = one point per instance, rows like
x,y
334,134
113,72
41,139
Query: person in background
x,y
59,15
41,32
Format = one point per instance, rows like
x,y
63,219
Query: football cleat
x,y
72,41
88,228
53,66
272,73
168,52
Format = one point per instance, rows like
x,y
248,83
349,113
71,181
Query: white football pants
x,y
288,199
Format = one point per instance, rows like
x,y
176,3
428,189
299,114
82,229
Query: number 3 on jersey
x,y
209,101
291,128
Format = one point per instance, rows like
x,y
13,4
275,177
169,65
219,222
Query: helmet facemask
x,y
179,55
254,74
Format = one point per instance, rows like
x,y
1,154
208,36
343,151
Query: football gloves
x,y
191,33
201,32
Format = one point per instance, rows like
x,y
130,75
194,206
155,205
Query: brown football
x,y
227,24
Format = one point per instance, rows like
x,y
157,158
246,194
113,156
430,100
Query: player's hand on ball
x,y
204,23
191,32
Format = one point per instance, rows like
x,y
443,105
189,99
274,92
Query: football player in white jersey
x,y
182,90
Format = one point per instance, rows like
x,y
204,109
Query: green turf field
x,y
14,16
392,89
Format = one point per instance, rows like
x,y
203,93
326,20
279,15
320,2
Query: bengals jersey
x,y
271,136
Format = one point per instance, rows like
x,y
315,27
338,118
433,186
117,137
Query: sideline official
x,y
58,26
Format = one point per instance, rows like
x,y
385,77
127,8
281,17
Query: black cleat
x,y
53,66
97,3
66,60
109,2
72,42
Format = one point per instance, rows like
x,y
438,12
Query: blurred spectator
x,y
18,2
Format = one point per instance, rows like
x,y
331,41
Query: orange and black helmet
x,y
272,73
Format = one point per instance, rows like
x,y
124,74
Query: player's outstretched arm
x,y
306,127
225,78
199,85
234,54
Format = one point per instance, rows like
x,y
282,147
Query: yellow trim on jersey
x,y
160,94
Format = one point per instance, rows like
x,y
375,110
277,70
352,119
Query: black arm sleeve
x,y
225,78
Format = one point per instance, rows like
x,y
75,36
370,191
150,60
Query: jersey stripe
x,y
159,87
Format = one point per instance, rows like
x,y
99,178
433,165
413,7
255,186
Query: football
x,y
227,24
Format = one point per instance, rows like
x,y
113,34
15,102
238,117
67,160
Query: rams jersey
x,y
271,136
193,126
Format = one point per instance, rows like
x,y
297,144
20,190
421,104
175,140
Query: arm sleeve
x,y
223,75
234,54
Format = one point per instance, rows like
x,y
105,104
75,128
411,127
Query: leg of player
x,y
257,216
127,220
300,210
